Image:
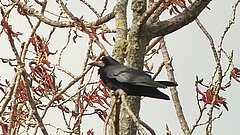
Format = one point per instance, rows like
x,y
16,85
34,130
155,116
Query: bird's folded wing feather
x,y
131,76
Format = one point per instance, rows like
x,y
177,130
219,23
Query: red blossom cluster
x,y
41,71
4,128
94,97
8,28
20,113
235,74
97,96
174,4
90,132
21,95
210,96
92,32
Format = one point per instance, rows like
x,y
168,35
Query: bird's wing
x,y
134,77
113,70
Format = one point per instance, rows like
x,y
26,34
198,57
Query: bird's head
x,y
105,61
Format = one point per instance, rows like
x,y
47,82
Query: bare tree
x,y
39,68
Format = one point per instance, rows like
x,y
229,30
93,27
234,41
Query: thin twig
x,y
147,127
113,103
158,71
80,25
80,88
174,92
217,74
231,21
104,8
91,8
64,47
33,104
13,112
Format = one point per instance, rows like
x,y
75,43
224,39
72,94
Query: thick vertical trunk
x,y
135,58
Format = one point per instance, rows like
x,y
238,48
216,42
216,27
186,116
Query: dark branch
x,y
61,24
33,12
103,19
162,28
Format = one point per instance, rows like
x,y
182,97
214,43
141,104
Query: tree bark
x,y
135,58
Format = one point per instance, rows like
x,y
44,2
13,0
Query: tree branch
x,y
174,92
162,28
33,12
33,104
103,19
56,23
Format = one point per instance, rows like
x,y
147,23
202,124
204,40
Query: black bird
x,y
134,82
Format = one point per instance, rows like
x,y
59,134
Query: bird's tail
x,y
168,83
148,92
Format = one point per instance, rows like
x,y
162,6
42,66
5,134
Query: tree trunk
x,y
133,49
135,58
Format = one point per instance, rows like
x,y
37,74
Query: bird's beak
x,y
97,63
